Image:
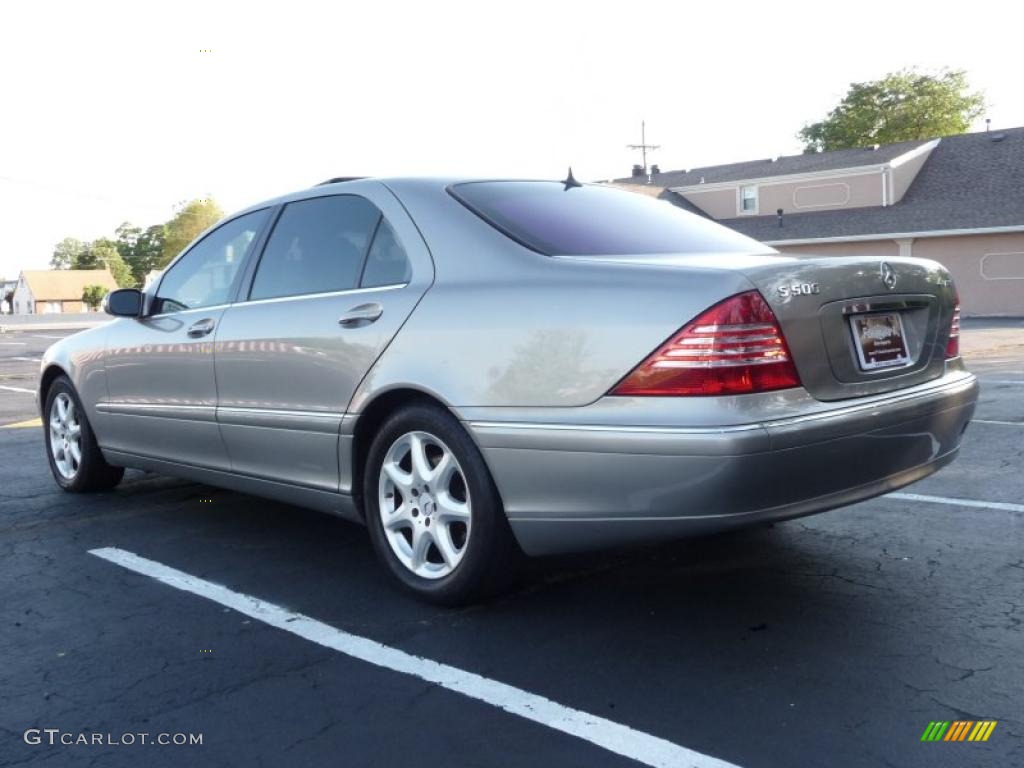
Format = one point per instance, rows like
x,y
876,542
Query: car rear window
x,y
593,220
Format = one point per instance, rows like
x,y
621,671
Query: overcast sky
x,y
113,112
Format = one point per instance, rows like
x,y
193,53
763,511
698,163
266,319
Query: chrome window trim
x,y
246,302
324,294
180,312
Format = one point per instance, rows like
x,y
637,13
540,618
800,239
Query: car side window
x,y
387,262
203,277
317,246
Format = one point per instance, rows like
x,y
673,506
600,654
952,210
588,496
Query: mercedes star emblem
x,y
888,275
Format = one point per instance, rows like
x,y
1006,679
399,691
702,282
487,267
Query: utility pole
x,y
643,146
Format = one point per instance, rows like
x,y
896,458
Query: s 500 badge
x,y
798,289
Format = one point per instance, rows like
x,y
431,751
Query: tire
x,y
64,419
471,552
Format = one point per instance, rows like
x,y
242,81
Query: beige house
x,y
959,200
53,291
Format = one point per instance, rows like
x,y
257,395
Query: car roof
x,y
340,184
345,184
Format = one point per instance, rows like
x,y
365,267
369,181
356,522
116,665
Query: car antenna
x,y
570,181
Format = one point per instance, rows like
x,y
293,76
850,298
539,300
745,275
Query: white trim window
x,y
748,199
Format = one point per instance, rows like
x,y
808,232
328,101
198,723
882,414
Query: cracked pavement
x,y
829,640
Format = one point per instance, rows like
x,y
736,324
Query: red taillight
x,y
736,347
953,345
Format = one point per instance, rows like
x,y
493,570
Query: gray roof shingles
x,y
970,181
781,166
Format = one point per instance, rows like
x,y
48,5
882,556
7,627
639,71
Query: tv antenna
x,y
643,146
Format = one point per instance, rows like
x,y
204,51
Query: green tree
x,y
103,253
127,236
92,296
90,256
67,253
141,249
192,218
902,106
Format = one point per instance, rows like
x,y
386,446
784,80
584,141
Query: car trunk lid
x,y
859,325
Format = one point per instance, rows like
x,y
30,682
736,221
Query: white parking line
x,y
23,359
18,389
993,421
41,336
13,343
1003,506
614,737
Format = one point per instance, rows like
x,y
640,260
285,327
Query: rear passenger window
x,y
317,246
386,263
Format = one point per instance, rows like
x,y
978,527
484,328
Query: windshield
x,y
594,220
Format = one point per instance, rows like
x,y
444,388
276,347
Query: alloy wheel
x,y
424,504
65,436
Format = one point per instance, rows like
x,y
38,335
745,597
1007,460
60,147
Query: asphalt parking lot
x,y
831,640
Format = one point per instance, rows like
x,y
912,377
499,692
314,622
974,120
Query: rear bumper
x,y
571,487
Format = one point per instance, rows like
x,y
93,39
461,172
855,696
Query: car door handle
x,y
364,314
200,328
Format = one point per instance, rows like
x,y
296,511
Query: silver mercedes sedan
x,y
481,369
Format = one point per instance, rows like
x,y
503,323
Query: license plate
x,y
879,340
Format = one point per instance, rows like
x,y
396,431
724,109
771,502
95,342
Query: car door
x,y
161,387
338,276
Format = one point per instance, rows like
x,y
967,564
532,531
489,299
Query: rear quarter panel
x,y
505,326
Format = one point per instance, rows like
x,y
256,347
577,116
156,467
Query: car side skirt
x,y
339,504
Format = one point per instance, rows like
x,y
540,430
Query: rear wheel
x,y
75,459
433,511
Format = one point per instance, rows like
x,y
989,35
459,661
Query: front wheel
x,y
434,514
75,459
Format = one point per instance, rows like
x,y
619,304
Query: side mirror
x,y
124,302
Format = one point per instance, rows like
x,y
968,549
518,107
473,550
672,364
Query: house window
x,y
748,199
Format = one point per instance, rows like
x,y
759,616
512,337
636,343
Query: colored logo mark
x,y
958,730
